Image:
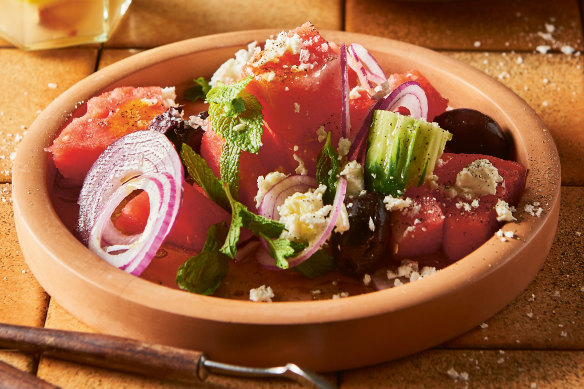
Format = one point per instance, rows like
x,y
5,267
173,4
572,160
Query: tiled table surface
x,y
537,341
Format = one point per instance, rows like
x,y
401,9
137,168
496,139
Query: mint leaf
x,y
200,171
236,115
203,273
229,167
241,216
197,91
319,264
282,249
327,169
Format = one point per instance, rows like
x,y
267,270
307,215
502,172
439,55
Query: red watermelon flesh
x,y
108,117
466,228
417,230
302,91
196,215
513,173
273,155
436,103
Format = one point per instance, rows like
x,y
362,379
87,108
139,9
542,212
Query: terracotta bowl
x,y
320,335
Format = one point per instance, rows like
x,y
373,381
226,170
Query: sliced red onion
x,y
143,160
164,194
409,95
345,114
130,156
268,262
281,191
364,64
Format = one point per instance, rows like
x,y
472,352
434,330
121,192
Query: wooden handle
x,y
106,351
11,377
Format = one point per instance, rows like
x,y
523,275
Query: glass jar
x,y
46,24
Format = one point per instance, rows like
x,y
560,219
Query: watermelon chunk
x,y
107,118
513,173
468,227
417,230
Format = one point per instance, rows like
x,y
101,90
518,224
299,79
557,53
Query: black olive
x,y
366,244
473,132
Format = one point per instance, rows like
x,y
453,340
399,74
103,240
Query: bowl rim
x,y
29,199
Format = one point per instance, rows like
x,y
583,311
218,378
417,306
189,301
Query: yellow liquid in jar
x,y
45,24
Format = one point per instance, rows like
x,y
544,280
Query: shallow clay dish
x,y
320,335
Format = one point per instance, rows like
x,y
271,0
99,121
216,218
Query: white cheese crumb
x,y
479,178
321,133
261,294
353,173
266,183
504,212
301,169
366,279
396,203
484,325
397,282
477,44
568,50
543,49
230,70
340,295
343,147
52,85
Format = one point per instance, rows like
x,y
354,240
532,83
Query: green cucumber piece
x,y
401,152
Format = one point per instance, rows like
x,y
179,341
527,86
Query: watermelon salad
x,y
309,174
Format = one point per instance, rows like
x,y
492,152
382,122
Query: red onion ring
x,y
317,244
164,194
364,64
345,114
281,191
144,160
134,154
409,95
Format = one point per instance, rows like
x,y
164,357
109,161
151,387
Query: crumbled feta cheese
x,y
52,85
230,70
340,295
366,279
479,178
266,183
261,294
275,48
543,49
305,216
301,169
396,203
407,268
169,96
504,212
353,173
321,133
343,147
568,50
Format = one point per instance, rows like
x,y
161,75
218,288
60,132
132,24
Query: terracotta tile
x,y
71,375
24,362
36,78
553,85
473,369
548,314
180,20
22,299
459,25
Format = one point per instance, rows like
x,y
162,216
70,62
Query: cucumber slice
x,y
401,152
